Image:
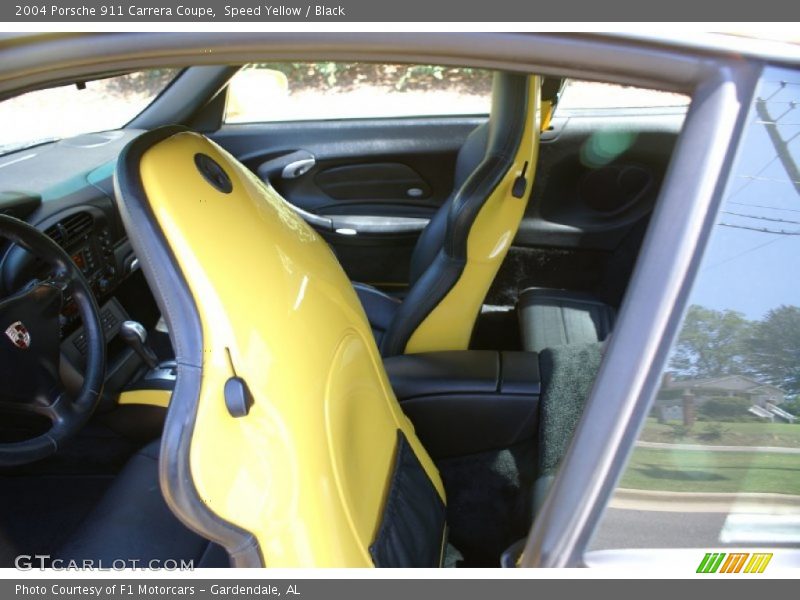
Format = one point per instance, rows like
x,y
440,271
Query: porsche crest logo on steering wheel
x,y
19,336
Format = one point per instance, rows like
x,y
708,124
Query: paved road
x,y
624,528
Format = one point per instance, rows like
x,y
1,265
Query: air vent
x,y
71,229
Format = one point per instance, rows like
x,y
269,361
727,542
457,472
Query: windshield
x,y
70,110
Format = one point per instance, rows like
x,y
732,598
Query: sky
x,y
749,266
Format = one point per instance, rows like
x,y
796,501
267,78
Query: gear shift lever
x,y
135,335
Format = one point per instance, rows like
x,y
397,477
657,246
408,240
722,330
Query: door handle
x,y
289,166
298,168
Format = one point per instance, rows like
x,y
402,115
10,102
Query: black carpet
x,y
488,502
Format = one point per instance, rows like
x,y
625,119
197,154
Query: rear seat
x,y
549,318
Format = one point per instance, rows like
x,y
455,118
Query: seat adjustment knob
x,y
520,183
238,398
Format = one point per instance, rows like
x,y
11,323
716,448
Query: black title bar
x,y
440,11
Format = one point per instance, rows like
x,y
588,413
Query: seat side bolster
x,y
380,308
423,298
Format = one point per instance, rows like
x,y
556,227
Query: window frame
x,y
649,318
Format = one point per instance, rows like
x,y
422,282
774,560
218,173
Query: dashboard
x,y
65,189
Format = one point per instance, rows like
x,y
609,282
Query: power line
x,y
760,218
763,206
741,254
760,230
772,179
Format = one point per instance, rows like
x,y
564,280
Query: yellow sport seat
x,y
284,442
459,252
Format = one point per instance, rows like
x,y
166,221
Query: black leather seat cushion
x,y
550,318
133,522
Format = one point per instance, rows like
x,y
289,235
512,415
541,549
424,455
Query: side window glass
x,y
332,90
580,94
718,461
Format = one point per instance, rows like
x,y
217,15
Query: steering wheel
x,y
30,348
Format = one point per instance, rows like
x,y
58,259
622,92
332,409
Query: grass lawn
x,y
735,434
701,471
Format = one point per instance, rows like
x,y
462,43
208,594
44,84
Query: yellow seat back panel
x,y
306,471
449,326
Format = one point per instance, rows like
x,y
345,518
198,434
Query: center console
x,y
465,402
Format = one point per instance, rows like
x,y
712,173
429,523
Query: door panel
x,y
597,181
372,181
368,185
426,146
597,176
384,185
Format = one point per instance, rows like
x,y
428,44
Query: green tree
x,y
712,343
774,349
792,405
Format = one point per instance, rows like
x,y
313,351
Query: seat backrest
x,y
460,251
284,441
431,240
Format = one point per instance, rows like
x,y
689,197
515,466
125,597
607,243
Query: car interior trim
x,y
147,397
